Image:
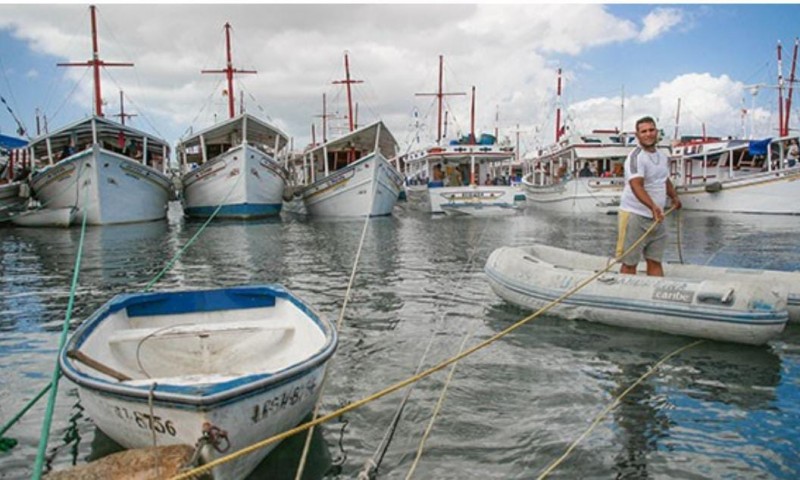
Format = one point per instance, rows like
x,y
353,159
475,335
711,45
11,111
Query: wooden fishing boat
x,y
714,303
225,367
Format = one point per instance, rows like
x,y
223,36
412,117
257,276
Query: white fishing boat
x,y
233,166
739,176
555,183
714,303
118,174
351,176
225,368
464,176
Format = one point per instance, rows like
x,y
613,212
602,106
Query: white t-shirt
x,y
653,167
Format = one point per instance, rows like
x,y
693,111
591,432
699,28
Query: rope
x,y
613,405
397,386
157,454
200,230
436,411
48,417
680,248
372,465
307,446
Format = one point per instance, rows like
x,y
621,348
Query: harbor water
x,y
418,294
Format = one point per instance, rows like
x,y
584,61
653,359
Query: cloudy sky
x,y
619,62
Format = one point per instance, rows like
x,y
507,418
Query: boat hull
x,y
368,187
242,183
577,195
732,311
132,423
768,193
111,187
481,199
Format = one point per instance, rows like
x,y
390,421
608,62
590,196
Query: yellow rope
x,y
399,385
307,445
436,411
613,405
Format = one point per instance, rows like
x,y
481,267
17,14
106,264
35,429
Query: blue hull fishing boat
x,y
221,368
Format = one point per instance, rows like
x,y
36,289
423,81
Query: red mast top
x,y
229,70
95,63
440,95
347,81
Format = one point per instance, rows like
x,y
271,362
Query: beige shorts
x,y
631,229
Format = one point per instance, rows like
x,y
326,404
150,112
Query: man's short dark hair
x,y
644,120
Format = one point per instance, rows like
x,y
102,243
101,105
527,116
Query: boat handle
x,y
725,297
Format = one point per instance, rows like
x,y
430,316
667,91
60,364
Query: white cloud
x,y
658,22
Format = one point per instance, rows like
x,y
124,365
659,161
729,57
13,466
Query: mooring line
x,y
191,241
48,417
371,466
436,411
57,374
613,405
403,383
339,321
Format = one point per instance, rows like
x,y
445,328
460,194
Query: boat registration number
x,y
287,398
146,421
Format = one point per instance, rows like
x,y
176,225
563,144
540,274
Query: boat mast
x,y
122,115
791,88
95,63
558,107
440,97
229,71
677,120
348,81
780,92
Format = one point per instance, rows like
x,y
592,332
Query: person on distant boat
x,y
585,171
793,154
647,186
438,175
488,180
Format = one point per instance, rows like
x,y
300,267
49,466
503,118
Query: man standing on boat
x,y
647,186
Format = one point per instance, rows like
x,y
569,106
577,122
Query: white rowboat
x,y
234,365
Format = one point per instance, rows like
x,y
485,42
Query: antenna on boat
x,y
677,119
472,119
229,70
122,115
95,63
348,81
324,116
440,96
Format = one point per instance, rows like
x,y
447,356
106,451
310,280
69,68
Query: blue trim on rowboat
x,y
171,303
241,210
202,395
760,318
